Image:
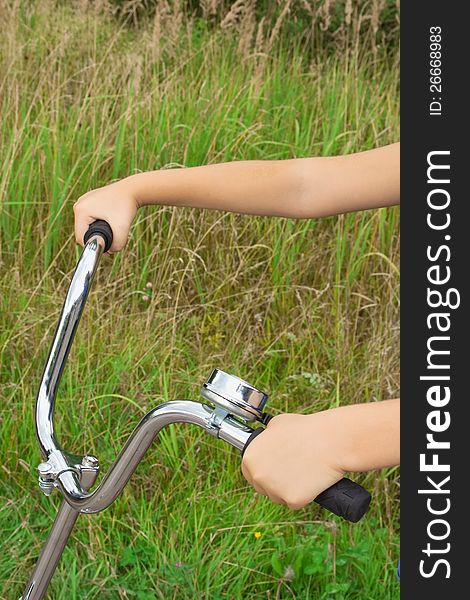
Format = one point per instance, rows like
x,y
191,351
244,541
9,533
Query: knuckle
x,y
78,204
248,461
294,502
258,477
278,421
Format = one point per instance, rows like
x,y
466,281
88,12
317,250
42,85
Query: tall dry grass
x,y
307,309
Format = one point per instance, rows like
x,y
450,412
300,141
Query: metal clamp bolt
x,y
46,478
90,461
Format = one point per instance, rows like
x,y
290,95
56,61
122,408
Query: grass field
x,y
306,310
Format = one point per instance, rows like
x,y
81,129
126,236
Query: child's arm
x,y
298,188
299,456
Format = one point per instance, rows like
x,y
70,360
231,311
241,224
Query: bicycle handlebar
x,y
345,498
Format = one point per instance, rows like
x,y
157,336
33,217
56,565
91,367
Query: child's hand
x,y
295,459
300,456
114,203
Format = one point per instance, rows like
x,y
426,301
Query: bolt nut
x,y
47,487
46,472
90,461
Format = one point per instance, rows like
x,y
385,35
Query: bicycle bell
x,y
234,395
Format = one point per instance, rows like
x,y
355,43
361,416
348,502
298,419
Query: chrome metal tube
x,y
53,548
178,411
63,338
51,553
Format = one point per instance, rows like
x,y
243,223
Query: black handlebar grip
x,y
103,229
344,498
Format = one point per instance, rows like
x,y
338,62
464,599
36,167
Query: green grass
x,y
307,310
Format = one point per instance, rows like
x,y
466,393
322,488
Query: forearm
x,y
298,188
352,182
368,435
251,187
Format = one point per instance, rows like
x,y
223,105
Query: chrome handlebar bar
x,y
64,470
63,338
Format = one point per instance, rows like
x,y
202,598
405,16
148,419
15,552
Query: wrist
x,y
348,446
328,439
134,187
367,436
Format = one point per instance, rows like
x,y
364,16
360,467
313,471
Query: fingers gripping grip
x,y
103,229
344,498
